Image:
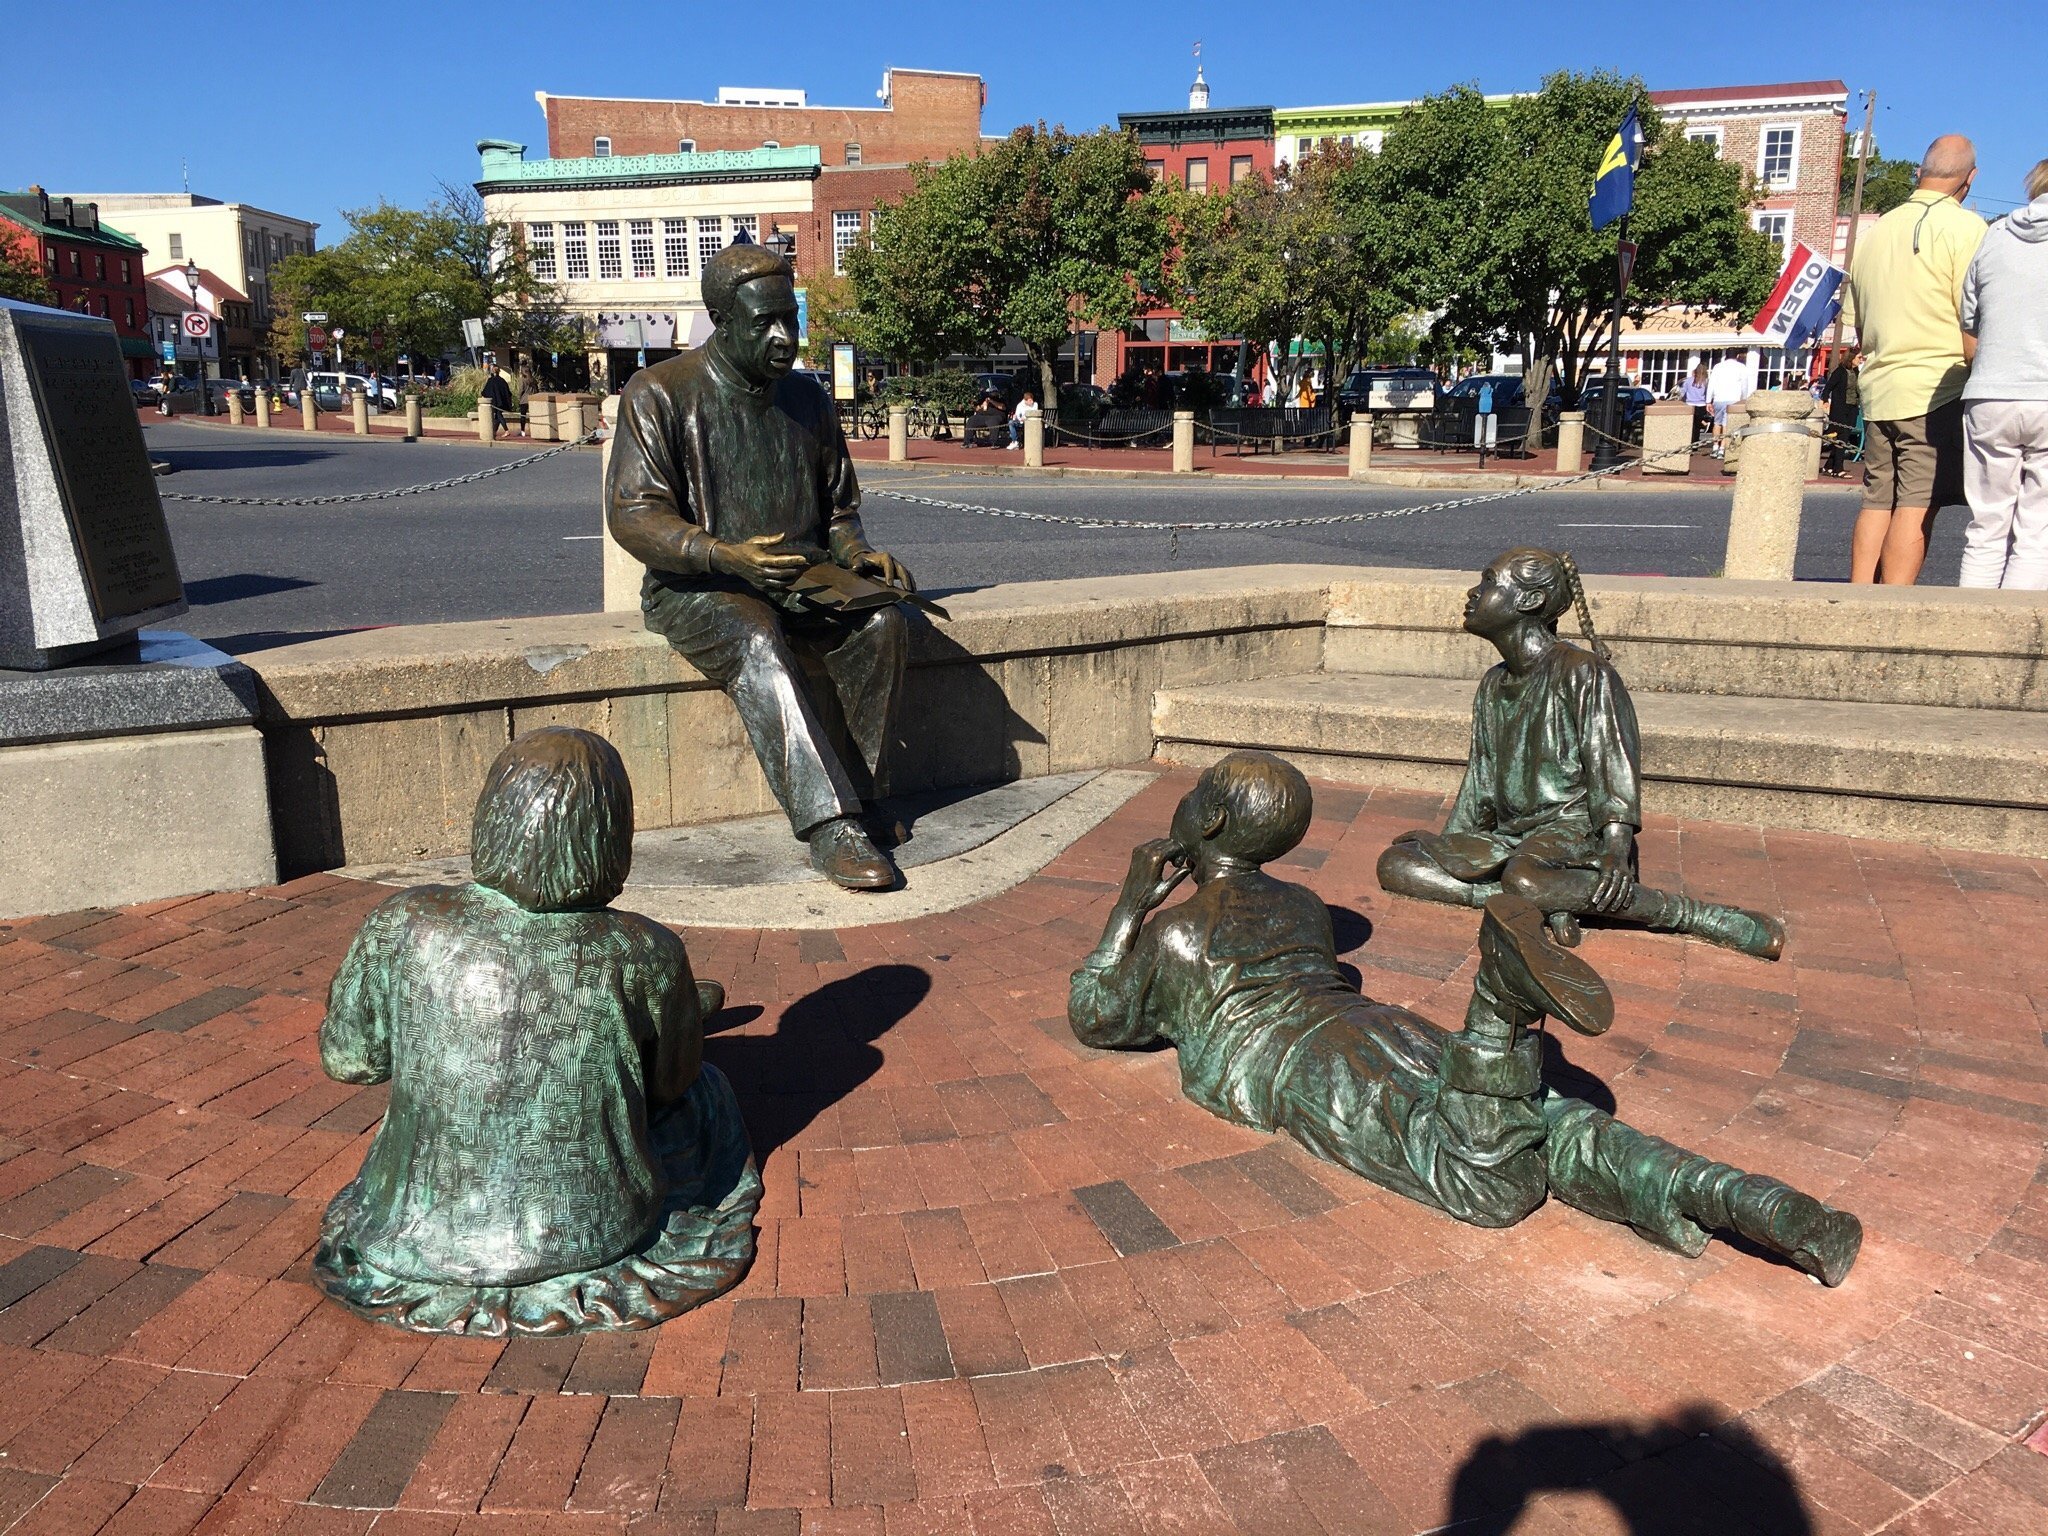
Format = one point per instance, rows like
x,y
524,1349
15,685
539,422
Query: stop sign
x,y
317,336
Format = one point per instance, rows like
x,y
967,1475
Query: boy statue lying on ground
x,y
1552,797
1242,979
557,1155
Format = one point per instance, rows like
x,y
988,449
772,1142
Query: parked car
x,y
145,391
327,388
1635,399
1508,392
817,376
1409,389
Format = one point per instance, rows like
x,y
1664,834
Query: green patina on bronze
x,y
1552,796
557,1155
1242,979
731,482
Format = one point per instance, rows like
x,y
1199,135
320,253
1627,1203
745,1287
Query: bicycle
x,y
871,420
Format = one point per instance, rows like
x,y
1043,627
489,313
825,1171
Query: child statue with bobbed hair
x,y
557,1155
1242,980
1552,797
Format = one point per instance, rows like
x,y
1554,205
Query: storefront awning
x,y
137,346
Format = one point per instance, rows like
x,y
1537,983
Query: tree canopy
x,y
1515,253
1032,237
21,274
410,277
1886,183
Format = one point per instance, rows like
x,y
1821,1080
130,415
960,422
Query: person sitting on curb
x,y
1242,979
557,1155
1552,796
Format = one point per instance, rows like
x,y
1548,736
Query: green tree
x,y
21,275
1032,237
1304,255
1517,255
833,313
409,277
1886,183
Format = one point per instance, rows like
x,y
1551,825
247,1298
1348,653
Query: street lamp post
x,y
199,342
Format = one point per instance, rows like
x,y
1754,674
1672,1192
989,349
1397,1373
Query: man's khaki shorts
x,y
1916,461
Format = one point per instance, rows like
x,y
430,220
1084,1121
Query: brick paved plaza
x,y
1008,1284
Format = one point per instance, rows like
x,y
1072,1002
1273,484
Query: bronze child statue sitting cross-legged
x,y
557,1155
1242,978
1552,797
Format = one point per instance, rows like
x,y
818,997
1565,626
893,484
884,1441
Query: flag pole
x,y
1606,452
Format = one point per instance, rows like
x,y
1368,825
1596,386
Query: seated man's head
x,y
1246,810
554,824
750,295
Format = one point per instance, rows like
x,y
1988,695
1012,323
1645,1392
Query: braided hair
x,y
1556,575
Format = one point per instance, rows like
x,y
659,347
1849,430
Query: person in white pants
x,y
2005,403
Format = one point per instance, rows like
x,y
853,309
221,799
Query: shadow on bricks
x,y
1695,1472
821,1051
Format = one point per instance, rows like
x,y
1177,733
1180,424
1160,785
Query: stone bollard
x,y
1034,440
1667,434
1571,442
622,572
1183,442
1770,485
568,418
899,434
415,426
234,406
359,411
263,407
1361,445
486,422
309,413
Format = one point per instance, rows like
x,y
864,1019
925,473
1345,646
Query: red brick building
x,y
90,267
924,115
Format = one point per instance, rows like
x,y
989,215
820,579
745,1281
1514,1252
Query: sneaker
x,y
1749,933
1825,1241
1015,446
1527,967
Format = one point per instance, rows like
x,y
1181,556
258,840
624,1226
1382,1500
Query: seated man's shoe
x,y
710,998
845,855
1818,1238
1518,959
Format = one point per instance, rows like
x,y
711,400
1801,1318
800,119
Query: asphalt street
x,y
525,542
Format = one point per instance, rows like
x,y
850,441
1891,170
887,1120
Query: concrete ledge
x,y
1961,777
161,681
1760,639
117,819
377,742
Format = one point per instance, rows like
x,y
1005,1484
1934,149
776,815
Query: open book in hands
x,y
838,590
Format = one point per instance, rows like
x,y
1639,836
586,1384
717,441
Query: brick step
x,y
1964,778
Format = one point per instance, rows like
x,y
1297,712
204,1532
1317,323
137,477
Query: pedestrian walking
x,y
1694,393
2005,402
1907,285
1844,404
1728,383
499,393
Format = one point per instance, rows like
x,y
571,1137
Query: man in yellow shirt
x,y
1907,282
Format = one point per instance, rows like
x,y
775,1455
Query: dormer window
x,y
602,149
686,146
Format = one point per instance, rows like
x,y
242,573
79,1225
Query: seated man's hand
x,y
883,567
764,561
1617,858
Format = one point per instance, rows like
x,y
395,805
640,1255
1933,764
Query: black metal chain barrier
x,y
405,490
1262,524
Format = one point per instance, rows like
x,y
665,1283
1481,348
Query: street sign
x,y
198,323
473,334
170,352
842,370
317,336
315,317
1625,253
376,341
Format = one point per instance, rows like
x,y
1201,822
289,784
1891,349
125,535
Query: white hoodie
x,y
2005,306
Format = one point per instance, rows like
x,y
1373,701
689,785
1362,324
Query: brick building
x,y
91,267
924,115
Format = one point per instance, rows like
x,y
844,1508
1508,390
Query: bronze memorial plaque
x,y
102,467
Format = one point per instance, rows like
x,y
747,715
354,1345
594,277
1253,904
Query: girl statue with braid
x,y
1552,797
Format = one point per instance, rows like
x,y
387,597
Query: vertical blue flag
x,y
1614,186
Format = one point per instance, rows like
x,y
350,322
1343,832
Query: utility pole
x,y
1855,213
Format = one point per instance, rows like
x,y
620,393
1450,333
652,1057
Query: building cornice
x,y
1213,123
506,168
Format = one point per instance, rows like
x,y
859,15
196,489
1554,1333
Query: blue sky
x,y
312,109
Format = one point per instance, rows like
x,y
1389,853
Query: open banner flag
x,y
1805,302
1614,185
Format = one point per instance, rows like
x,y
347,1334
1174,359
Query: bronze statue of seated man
x,y
557,1155
1242,979
1552,797
730,481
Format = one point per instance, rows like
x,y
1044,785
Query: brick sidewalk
x,y
1007,1284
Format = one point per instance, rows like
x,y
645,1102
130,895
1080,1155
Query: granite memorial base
x,y
85,555
131,778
